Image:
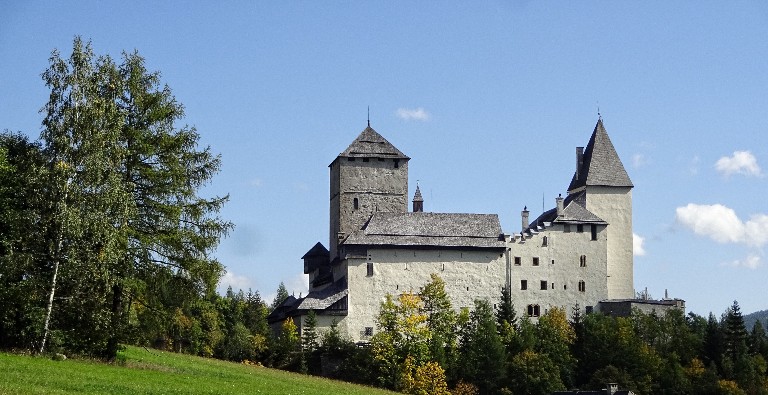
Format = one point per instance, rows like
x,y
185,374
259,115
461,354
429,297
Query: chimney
x,y
418,201
560,208
611,388
579,160
525,217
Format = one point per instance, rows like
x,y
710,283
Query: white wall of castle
x,y
468,275
560,266
481,274
614,205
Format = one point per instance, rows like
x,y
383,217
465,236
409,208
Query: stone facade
x,y
578,253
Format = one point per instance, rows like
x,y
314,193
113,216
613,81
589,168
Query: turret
x,y
418,201
370,175
607,190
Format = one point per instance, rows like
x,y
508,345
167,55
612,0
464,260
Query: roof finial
x,y
369,116
599,117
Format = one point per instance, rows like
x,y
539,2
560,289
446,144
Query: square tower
x,y
370,175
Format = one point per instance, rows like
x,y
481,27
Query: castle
x,y
579,252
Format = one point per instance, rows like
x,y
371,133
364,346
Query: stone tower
x,y
370,175
601,176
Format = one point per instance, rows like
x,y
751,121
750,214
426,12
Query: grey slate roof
x,y
371,144
573,212
601,165
318,250
430,229
321,300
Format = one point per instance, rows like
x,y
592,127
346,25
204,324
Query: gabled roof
x,y
601,165
430,230
318,250
573,212
370,144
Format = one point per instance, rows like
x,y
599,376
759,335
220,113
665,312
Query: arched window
x,y
533,310
355,204
583,261
582,286
544,241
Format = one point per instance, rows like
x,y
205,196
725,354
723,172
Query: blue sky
x,y
489,99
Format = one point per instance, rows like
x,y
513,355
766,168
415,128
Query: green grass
x,y
157,372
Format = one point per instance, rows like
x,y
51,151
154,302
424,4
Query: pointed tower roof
x,y
370,144
417,196
600,165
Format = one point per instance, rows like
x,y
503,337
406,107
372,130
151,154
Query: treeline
x,y
423,346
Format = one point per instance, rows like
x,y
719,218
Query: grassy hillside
x,y
157,372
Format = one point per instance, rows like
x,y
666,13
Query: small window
x,y
565,287
517,261
370,269
533,310
523,284
583,261
589,309
582,286
355,204
553,285
397,163
544,241
535,261
543,285
593,229
553,261
567,228
368,331
580,228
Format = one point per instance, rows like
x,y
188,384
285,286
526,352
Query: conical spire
x,y
600,164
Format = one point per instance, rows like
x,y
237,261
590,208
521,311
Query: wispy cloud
x,y
721,224
693,167
255,183
233,280
639,160
752,261
413,114
742,162
638,248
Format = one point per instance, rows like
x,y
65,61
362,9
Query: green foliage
x,y
482,351
280,296
534,373
111,219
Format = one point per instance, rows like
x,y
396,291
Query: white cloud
x,y
255,183
233,280
742,162
751,262
298,285
693,167
722,225
639,160
637,245
415,114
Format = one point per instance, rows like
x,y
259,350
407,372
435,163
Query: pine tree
x,y
282,294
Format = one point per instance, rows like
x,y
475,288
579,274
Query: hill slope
x,y
154,372
750,319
